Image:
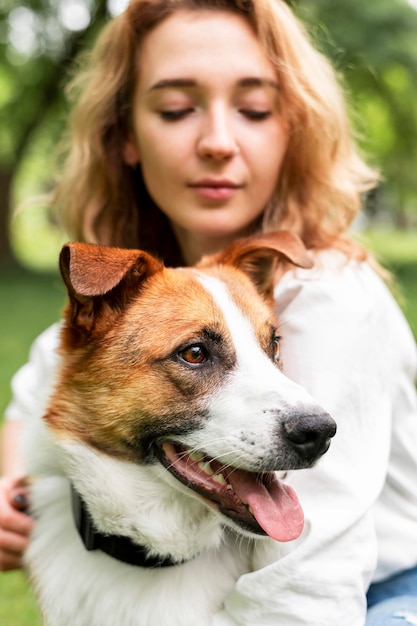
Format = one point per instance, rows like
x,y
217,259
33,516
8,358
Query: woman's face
x,y
207,127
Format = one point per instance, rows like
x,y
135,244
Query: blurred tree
x,y
39,40
373,45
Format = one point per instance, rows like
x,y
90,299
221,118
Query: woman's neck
x,y
194,246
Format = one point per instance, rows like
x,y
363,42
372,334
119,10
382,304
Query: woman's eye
x,y
276,349
194,355
256,115
174,114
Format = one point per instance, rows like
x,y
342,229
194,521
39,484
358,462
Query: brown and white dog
x,y
158,452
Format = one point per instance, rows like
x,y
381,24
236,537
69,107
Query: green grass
x,y
17,604
397,251
30,301
394,246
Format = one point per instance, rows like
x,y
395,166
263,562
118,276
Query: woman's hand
x,y
15,524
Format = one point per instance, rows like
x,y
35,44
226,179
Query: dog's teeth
x,y
250,509
206,468
196,455
219,478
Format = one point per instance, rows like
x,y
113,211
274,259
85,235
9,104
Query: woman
x,y
199,121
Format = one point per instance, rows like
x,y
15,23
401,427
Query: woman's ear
x,y
130,152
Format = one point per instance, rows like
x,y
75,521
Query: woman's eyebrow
x,y
167,83
247,82
258,82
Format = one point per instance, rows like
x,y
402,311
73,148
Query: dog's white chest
x,y
80,588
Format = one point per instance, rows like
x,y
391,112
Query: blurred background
x,y
372,45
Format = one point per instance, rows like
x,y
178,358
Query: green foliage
x,y
39,42
373,46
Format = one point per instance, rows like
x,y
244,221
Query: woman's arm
x,y
345,340
10,452
31,386
15,524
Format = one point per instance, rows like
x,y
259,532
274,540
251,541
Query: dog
x,y
154,471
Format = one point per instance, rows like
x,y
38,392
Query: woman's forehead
x,y
191,45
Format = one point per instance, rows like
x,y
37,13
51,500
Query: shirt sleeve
x,y
347,343
32,383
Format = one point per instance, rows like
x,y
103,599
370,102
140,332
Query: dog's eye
x,y
276,351
194,355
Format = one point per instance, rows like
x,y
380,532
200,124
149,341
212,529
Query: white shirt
x,y
346,341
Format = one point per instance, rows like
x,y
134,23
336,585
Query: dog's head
x,y
179,370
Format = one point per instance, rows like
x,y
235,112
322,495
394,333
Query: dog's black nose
x,y
310,434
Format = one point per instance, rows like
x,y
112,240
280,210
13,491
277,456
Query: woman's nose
x,y
217,136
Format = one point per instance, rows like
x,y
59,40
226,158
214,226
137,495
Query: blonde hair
x,y
319,191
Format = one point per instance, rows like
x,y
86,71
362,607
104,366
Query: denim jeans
x,y
393,602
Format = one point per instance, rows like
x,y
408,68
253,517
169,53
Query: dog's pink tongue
x,y
275,505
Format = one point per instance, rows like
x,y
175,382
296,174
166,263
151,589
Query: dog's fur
x,y
167,376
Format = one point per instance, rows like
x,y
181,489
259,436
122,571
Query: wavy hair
x,y
319,192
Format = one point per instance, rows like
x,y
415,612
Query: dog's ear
x,y
259,257
100,282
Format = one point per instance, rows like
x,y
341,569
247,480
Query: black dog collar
x,y
120,548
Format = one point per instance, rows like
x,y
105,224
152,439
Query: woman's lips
x,y
215,189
